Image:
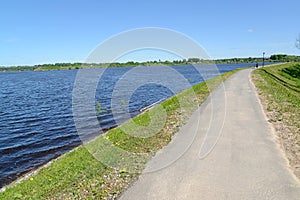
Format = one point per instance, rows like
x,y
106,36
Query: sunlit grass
x,y
279,90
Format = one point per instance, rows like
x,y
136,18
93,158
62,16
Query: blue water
x,y
36,118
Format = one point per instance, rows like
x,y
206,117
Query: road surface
x,y
227,150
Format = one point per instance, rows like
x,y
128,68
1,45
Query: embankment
x,y
79,175
278,87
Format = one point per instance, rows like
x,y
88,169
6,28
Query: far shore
x,y
72,66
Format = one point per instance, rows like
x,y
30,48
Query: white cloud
x,y
250,30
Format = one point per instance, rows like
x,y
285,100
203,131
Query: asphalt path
x,y
227,150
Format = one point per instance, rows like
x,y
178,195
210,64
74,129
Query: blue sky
x,y
37,31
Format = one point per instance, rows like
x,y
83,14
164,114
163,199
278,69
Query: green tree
x,y
193,60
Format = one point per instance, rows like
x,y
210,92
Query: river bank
x,y
79,175
37,121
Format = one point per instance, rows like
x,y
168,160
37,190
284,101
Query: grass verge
x,y
278,87
79,175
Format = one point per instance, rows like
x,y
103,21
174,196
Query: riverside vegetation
x,y
79,175
279,90
70,66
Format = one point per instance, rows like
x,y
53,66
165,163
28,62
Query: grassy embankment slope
x,y
78,175
279,90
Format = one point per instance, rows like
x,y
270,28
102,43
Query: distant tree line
x,y
272,58
78,65
225,61
284,58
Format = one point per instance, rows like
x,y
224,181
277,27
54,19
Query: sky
x,y
37,32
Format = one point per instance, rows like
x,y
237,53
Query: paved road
x,y
245,161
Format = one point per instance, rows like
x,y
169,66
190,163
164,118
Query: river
x,y
36,118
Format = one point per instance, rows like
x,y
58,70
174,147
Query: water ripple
x,y
36,119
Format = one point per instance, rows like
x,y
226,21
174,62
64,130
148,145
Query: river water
x,y
36,117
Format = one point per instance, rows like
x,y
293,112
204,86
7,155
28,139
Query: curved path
x,y
234,154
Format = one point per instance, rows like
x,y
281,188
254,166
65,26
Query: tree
x,y
279,57
193,60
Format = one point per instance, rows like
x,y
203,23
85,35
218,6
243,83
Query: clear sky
x,y
50,31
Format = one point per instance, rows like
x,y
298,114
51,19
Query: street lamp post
x,y
263,64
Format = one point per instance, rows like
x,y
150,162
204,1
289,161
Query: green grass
x,y
123,153
292,73
279,91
